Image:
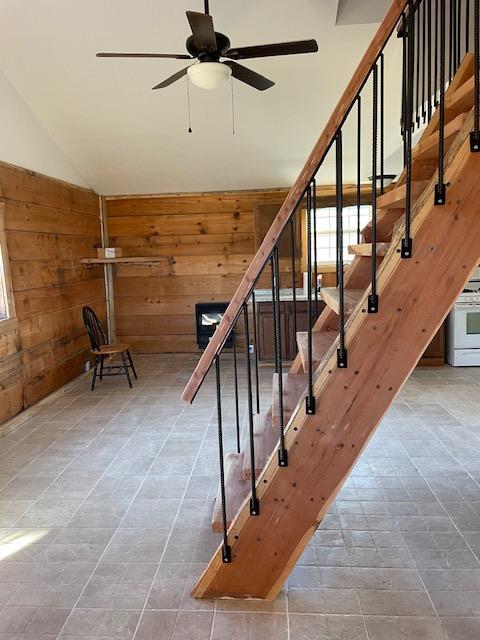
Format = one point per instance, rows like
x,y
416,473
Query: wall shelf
x,y
123,260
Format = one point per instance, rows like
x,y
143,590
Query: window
x,y
326,219
6,301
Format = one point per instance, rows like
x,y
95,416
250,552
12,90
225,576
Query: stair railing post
x,y
315,260
406,248
440,188
342,360
359,166
235,385
373,297
254,503
226,550
294,274
255,339
310,399
282,452
475,135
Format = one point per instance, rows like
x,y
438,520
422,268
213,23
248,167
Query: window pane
x,y
326,224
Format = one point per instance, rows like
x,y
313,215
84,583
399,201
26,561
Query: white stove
x,y
463,336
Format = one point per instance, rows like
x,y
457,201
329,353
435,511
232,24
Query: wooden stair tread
x,y
321,343
294,385
395,198
236,490
265,439
331,296
428,149
365,249
386,219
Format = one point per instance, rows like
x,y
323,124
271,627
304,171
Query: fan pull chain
x,y
189,109
233,107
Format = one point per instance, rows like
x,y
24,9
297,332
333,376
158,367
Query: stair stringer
x,y
415,296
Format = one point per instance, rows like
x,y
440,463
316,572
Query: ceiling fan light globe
x,y
209,75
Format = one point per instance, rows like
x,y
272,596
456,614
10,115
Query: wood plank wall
x,y
50,226
209,241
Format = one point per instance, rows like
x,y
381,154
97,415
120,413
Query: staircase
x,y
413,259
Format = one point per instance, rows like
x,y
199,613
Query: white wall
x,y
24,142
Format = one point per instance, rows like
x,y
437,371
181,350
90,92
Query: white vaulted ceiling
x,y
122,137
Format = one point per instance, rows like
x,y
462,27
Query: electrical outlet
x,y
87,365
251,348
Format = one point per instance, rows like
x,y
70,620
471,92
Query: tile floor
x,y
105,505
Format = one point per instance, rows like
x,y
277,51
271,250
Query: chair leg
x,y
127,372
102,358
94,373
131,364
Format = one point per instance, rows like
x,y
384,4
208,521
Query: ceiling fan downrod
x,y
207,9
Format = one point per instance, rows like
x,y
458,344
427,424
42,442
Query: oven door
x,y
466,326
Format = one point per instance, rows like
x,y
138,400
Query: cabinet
x,y
266,343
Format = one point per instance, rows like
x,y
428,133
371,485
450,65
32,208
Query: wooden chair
x,y
101,350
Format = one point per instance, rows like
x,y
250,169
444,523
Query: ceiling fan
x,y
208,46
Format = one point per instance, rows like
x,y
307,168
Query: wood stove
x,y
208,316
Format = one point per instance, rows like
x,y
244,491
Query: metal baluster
x,y
424,70
453,4
382,124
430,89
254,503
435,80
310,399
459,32
255,338
406,249
467,25
475,135
359,167
315,265
450,41
235,382
294,273
282,452
416,34
440,189
403,33
373,297
342,360
226,550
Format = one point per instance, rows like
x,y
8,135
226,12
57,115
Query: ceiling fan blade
x,y
171,79
250,77
175,56
279,49
204,37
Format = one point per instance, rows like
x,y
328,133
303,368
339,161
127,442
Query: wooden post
x,y
107,271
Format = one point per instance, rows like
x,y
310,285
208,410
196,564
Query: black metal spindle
x,y
310,399
437,44
416,36
342,360
406,249
255,339
424,66
282,452
467,26
226,550
235,384
373,297
440,189
450,41
315,239
459,32
359,166
382,124
294,273
430,89
403,33
254,503
475,135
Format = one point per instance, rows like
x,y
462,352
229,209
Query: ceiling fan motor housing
x,y
205,55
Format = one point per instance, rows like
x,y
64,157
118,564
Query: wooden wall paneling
x,y
208,241
50,226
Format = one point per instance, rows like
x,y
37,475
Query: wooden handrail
x,y
293,198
